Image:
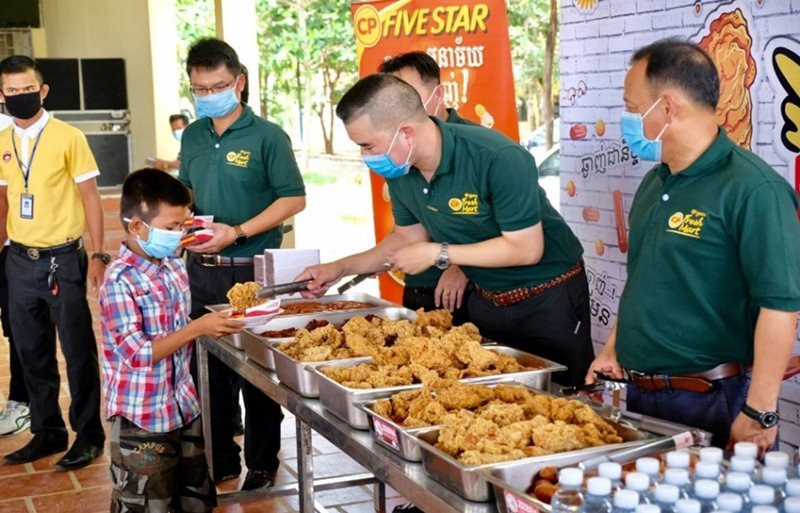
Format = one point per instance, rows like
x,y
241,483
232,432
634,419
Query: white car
x,y
548,162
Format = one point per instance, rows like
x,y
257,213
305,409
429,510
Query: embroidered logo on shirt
x,y
239,159
688,225
7,156
467,205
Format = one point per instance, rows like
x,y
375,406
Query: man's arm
x,y
3,213
606,362
775,336
93,205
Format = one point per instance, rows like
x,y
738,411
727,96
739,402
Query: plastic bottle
x,y
647,508
745,449
666,495
739,483
639,483
777,459
598,496
793,488
775,478
706,492
625,501
791,505
730,502
678,459
711,455
706,470
764,509
613,472
742,464
569,497
761,495
687,506
650,467
680,478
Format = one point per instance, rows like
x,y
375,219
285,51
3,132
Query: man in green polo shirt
x,y
469,196
713,277
431,288
241,170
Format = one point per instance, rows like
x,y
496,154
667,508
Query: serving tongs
x,y
665,443
283,288
604,383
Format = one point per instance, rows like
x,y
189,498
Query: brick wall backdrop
x,y
600,175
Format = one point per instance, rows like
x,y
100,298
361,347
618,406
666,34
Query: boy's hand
x,y
217,325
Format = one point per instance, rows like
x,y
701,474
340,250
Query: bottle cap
x,y
610,470
570,477
761,494
706,470
625,499
598,486
743,464
677,459
776,459
687,506
637,481
773,476
738,481
793,488
745,449
676,476
730,502
792,505
711,454
764,509
667,493
647,508
706,488
649,466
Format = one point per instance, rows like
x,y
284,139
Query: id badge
x,y
26,206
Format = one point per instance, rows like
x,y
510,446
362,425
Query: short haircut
x,y
19,64
678,63
145,190
423,63
212,53
179,117
387,100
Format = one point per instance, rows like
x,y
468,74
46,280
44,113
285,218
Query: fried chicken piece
x,y
316,354
401,404
397,329
442,319
540,404
384,408
466,331
559,437
427,410
461,395
518,434
390,376
474,458
471,354
356,373
361,345
395,355
506,364
563,409
501,413
451,435
533,450
512,394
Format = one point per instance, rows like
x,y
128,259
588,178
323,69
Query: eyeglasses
x,y
205,91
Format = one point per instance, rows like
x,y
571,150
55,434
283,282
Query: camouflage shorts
x,y
159,472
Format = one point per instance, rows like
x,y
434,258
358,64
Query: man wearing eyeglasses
x,y
241,170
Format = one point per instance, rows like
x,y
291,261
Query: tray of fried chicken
x,y
433,349
349,301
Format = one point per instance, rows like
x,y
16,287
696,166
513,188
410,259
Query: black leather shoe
x,y
257,479
39,447
79,455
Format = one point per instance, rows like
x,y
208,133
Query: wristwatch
x,y
241,237
105,257
443,258
767,419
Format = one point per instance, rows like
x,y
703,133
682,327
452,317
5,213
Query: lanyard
x,y
26,170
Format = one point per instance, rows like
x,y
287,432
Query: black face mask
x,y
24,106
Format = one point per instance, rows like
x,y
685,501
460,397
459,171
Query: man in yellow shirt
x,y
48,192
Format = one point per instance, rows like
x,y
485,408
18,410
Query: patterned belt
x,y
36,253
511,297
701,382
222,261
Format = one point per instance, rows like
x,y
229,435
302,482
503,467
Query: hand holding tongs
x,y
283,288
361,277
604,383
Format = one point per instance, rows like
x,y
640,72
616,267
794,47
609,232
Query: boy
x,y
157,456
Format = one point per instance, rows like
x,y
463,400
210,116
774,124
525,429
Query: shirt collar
x,y
708,160
138,262
33,131
448,142
244,119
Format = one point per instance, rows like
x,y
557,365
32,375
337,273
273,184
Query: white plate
x,y
270,309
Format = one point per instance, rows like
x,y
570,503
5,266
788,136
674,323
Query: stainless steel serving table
x,y
407,478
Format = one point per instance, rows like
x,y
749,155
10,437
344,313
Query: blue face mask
x,y
632,127
216,105
160,243
177,134
385,166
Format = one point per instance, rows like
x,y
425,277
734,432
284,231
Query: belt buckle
x,y
33,253
209,260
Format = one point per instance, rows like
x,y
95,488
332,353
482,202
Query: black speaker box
x,y
62,77
104,86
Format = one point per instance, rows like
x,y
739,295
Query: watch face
x,y
769,419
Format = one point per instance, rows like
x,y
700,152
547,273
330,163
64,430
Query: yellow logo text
x,y
688,225
467,205
239,159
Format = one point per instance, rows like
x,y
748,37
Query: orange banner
x,y
469,41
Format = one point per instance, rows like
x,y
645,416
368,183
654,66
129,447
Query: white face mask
x,y
428,101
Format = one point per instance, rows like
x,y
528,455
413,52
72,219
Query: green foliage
x,y
195,21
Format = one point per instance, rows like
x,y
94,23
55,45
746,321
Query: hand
x,y
415,258
224,235
745,429
217,324
450,290
606,362
161,164
325,276
96,271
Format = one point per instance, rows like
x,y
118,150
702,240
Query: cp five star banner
x,y
469,41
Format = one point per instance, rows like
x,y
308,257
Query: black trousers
x,y
35,315
16,387
555,324
423,297
263,416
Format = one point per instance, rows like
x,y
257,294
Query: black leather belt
x,y
222,261
35,253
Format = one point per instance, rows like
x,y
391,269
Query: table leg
x,y
379,496
305,467
205,404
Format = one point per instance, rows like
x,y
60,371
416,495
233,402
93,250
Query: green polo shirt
x,y
236,175
709,246
430,277
485,183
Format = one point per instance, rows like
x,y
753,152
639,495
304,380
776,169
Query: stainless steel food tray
x,y
471,483
343,401
349,296
237,339
399,439
299,375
